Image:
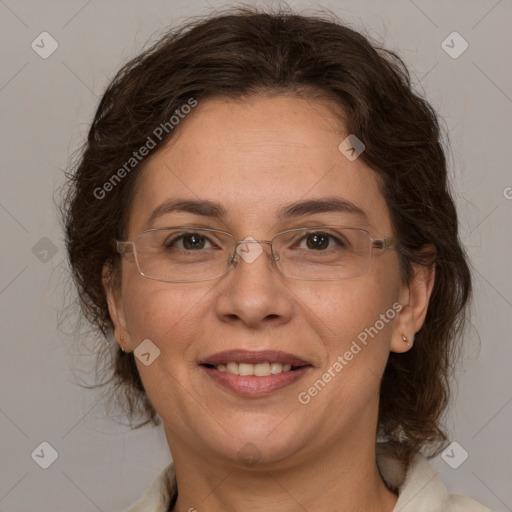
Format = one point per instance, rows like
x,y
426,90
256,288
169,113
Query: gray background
x,y
47,106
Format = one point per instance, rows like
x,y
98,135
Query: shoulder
x,y
419,488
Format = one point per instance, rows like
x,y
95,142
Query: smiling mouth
x,y
255,380
264,369
254,373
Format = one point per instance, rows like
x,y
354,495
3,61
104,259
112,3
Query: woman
x,y
261,217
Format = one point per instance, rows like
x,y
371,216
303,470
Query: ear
x,y
112,288
414,299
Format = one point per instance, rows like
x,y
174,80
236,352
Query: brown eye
x,y
190,242
320,241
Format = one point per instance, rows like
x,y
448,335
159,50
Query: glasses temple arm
x,y
123,247
385,243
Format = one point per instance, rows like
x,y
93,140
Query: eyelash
x,y
174,240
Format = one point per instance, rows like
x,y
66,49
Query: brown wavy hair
x,y
246,51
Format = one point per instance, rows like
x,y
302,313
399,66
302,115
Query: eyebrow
x,y
214,209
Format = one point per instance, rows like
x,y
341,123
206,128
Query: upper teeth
x,y
259,370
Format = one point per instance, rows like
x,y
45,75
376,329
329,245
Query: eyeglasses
x,y
186,254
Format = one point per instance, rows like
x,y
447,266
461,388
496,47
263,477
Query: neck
x,y
344,478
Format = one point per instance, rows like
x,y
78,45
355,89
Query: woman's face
x,y
254,157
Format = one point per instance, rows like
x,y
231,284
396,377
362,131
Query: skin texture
x,y
254,155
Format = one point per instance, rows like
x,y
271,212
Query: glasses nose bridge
x,y
235,256
248,241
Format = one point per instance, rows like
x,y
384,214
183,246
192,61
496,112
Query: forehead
x,y
254,156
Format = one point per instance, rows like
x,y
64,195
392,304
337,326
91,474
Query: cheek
x,y
346,308
167,314
354,320
171,318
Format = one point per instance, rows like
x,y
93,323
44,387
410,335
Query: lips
x,y
253,357
254,373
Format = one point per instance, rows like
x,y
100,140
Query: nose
x,y
253,292
250,249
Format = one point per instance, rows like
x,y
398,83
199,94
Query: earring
x,y
120,346
406,339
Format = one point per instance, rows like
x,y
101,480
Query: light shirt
x,y
419,488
